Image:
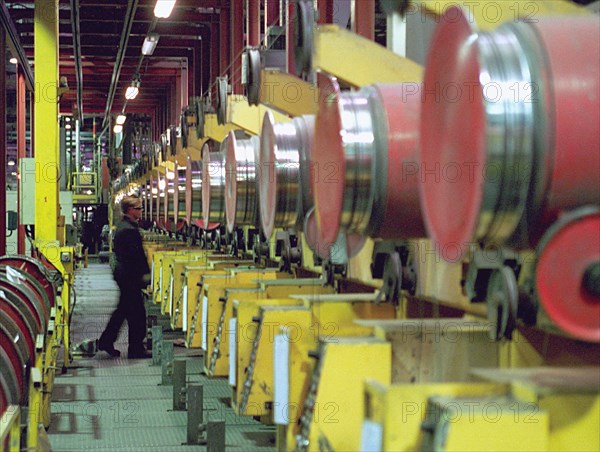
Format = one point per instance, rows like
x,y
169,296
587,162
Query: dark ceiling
x,y
183,37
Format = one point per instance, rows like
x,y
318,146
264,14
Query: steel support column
x,y
3,141
363,18
21,148
253,15
237,46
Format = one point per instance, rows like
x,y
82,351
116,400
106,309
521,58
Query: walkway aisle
x,y
116,404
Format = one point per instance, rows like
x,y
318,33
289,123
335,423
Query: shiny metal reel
x,y
241,195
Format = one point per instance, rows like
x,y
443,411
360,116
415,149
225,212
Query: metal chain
x,y
250,369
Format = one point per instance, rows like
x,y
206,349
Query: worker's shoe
x,y
111,350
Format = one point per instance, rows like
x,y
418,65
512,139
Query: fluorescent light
x,y
11,163
13,60
150,44
118,128
170,175
121,119
67,126
163,8
132,92
161,184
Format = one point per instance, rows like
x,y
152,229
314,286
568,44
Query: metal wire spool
x,y
193,197
284,178
508,139
160,201
567,274
241,192
213,186
169,202
21,305
36,275
364,143
303,37
179,198
221,100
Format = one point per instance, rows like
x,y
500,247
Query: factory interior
x,y
370,225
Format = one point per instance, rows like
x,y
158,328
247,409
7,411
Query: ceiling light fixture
x,y
163,8
13,60
11,163
133,90
118,128
121,119
150,43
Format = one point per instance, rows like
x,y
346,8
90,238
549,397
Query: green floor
x,y
117,404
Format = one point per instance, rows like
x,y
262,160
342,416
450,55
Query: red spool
x,y
193,188
34,268
567,251
523,128
328,158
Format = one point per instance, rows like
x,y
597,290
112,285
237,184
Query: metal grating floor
x,y
107,404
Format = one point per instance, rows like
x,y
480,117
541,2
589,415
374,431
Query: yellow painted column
x,y
47,169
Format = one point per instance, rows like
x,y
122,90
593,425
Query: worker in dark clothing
x,y
131,273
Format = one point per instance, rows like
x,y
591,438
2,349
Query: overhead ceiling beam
x,y
131,8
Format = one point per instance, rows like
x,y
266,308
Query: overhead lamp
x,y
150,44
170,175
68,126
11,163
13,60
163,8
133,90
118,128
121,119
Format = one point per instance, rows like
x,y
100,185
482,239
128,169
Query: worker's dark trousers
x,y
130,308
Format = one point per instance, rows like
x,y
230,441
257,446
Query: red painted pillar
x,y
289,40
271,13
224,40
214,52
363,16
237,45
253,14
21,125
325,11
